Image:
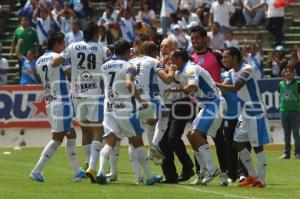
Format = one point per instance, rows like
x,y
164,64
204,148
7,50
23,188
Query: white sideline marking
x,y
226,195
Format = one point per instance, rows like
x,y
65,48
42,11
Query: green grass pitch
x,y
283,180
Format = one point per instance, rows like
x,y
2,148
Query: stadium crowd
x,y
199,30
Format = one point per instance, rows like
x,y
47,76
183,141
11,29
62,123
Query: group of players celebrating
x,y
119,96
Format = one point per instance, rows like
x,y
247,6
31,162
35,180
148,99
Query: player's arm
x,y
18,49
231,88
192,82
60,58
130,85
166,76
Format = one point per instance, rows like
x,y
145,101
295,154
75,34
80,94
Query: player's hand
x,y
20,41
173,67
144,104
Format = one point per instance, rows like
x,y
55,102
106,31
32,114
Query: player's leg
x,y
113,162
135,164
137,142
105,153
87,137
46,155
71,151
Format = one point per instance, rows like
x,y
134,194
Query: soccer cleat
x,y
79,176
139,181
284,157
258,184
37,177
111,178
209,175
199,178
155,152
242,178
223,179
248,181
153,179
101,179
91,175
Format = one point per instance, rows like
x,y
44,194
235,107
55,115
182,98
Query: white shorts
x,y
209,118
122,126
253,130
153,111
60,117
89,110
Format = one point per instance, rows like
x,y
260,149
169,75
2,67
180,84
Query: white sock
x,y
114,159
134,162
87,152
104,157
95,152
245,156
72,155
142,158
206,156
261,166
149,132
46,155
201,161
160,128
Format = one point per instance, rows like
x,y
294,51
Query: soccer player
x,y
59,108
120,111
197,82
149,69
253,125
86,59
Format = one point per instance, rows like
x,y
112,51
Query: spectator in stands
x,y
28,9
3,68
179,36
82,10
65,17
295,61
106,37
57,7
109,16
75,35
220,12
126,23
204,12
44,24
154,36
124,4
189,19
28,34
277,61
168,6
237,18
216,37
27,65
230,41
140,28
191,5
275,21
253,55
146,15
173,20
253,12
289,96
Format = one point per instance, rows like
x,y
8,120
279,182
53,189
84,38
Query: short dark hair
x,y
183,54
55,37
89,32
149,48
199,29
121,47
234,52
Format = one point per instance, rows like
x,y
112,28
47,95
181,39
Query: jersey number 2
x,y
45,69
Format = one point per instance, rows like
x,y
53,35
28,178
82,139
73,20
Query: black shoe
x,y
186,175
169,181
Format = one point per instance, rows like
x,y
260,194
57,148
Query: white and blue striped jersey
x,y
249,94
53,79
193,74
146,78
117,95
86,60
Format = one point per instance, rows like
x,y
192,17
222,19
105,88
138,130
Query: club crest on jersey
x,y
86,76
112,95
